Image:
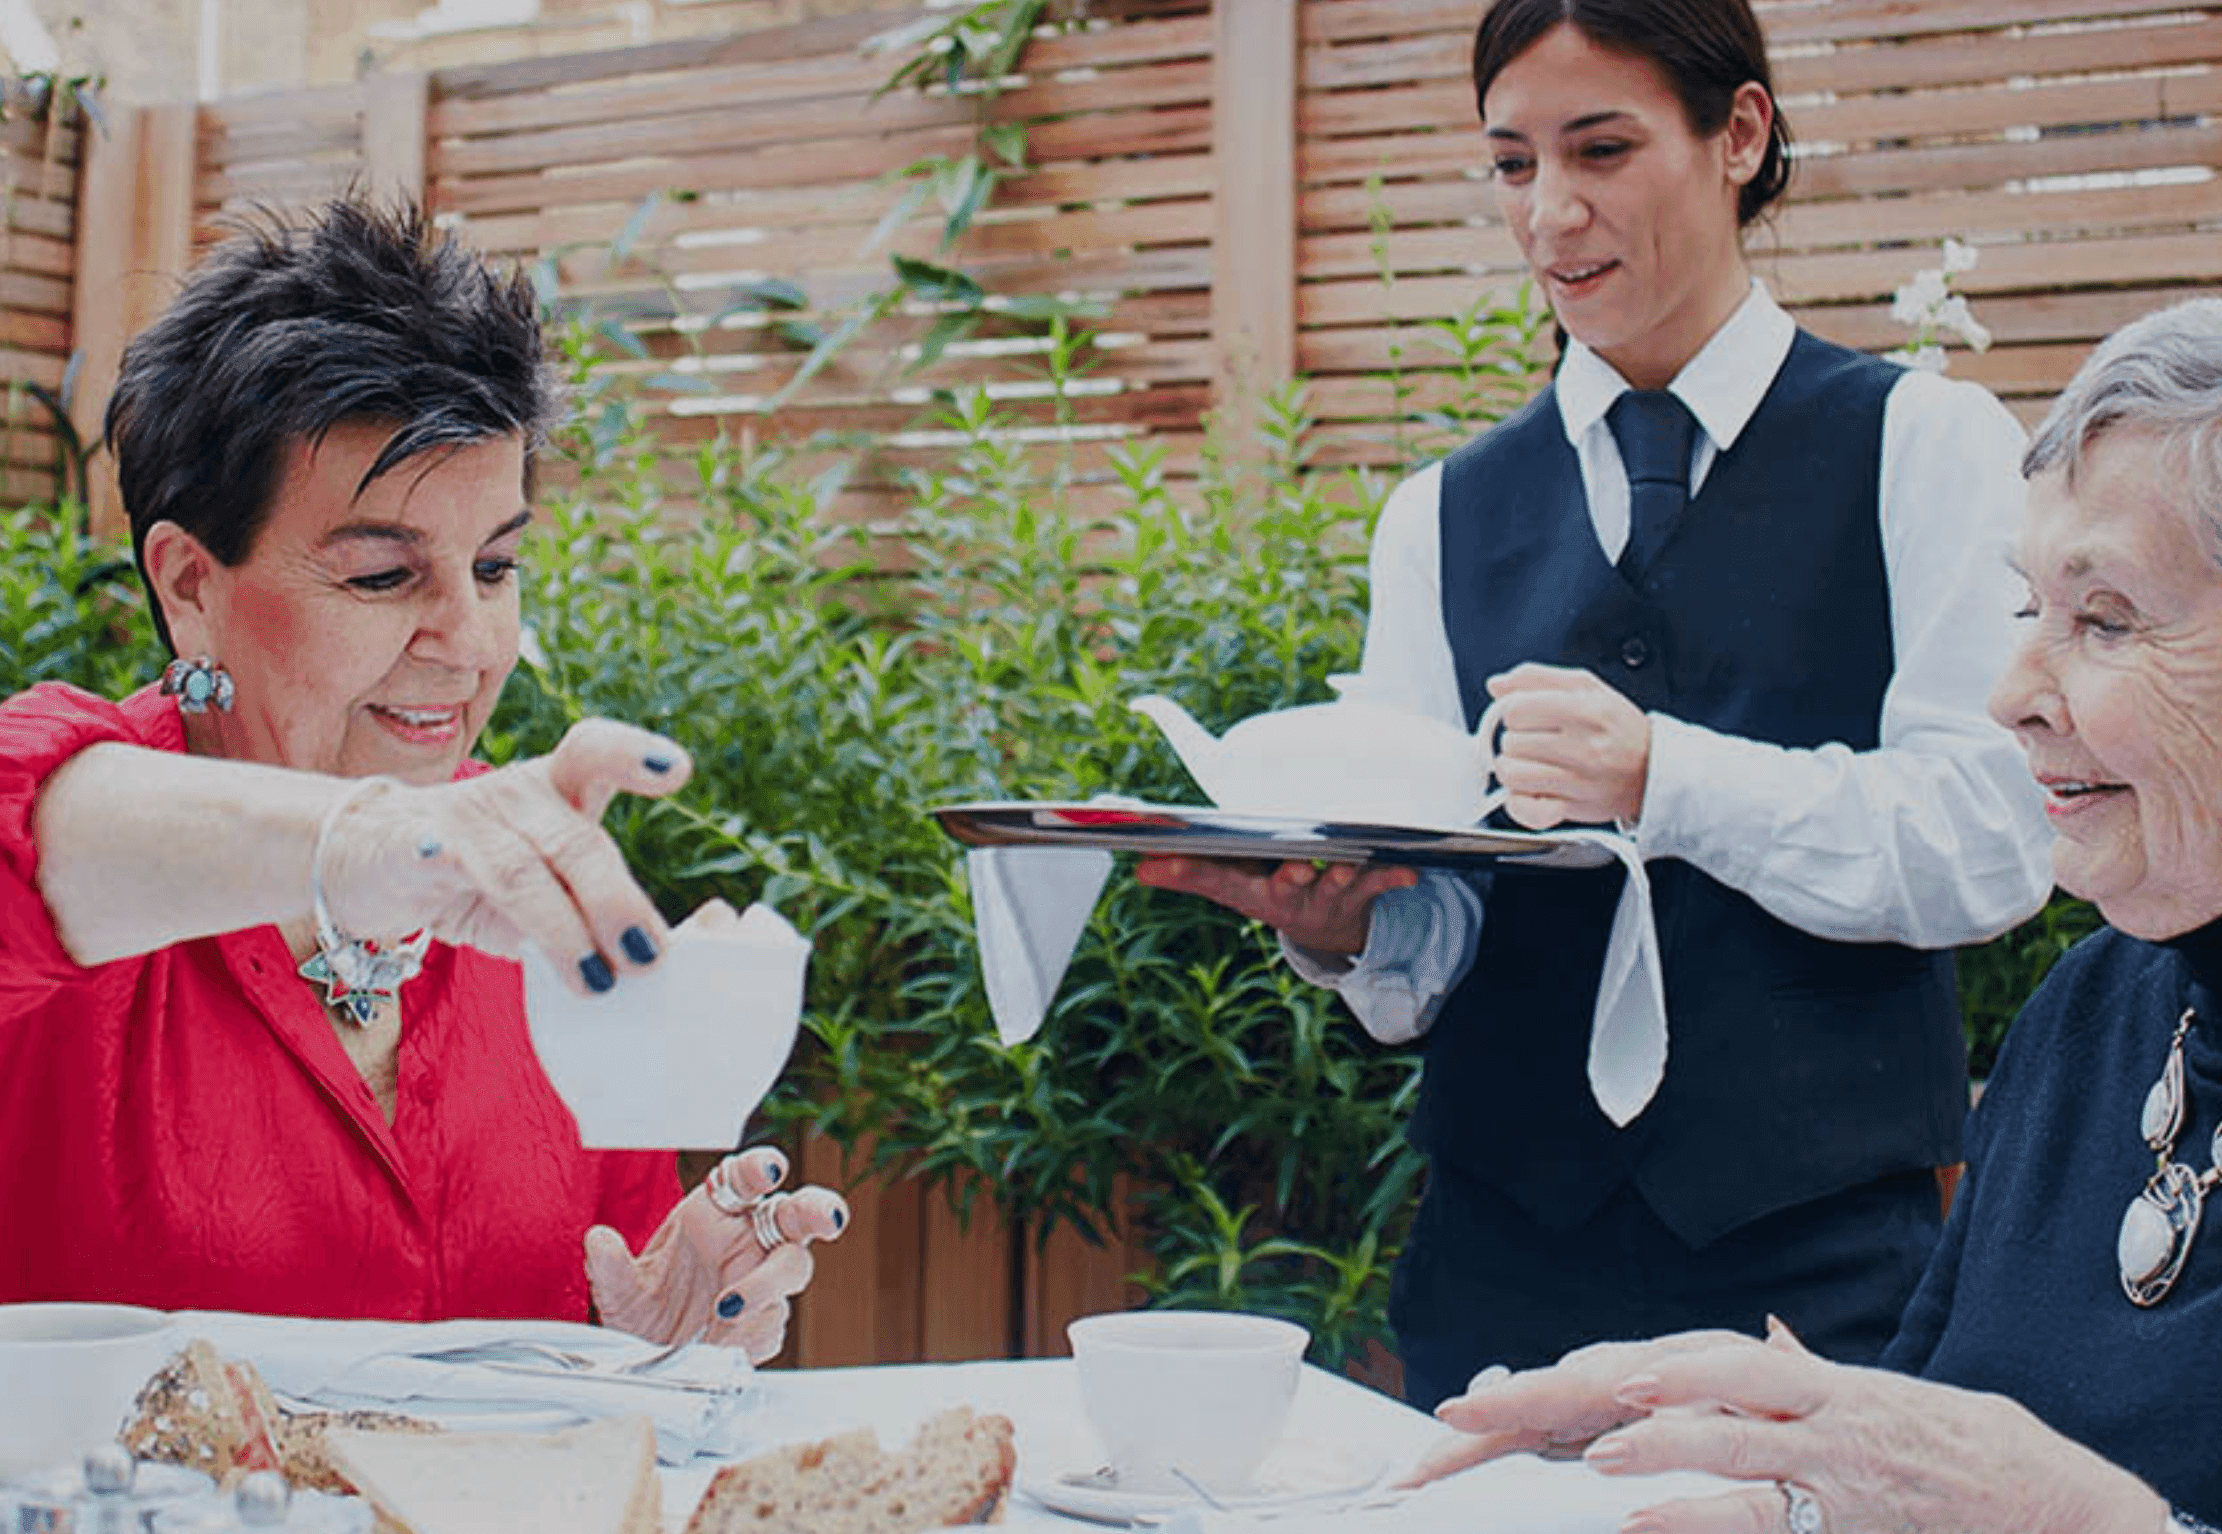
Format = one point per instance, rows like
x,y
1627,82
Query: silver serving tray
x,y
1184,830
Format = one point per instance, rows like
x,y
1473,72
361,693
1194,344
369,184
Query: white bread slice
x,y
956,1470
596,1479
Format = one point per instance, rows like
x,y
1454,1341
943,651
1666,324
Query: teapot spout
x,y
1196,746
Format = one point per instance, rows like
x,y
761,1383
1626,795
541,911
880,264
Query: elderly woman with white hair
x,y
2060,1366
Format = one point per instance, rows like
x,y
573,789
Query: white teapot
x,y
1350,760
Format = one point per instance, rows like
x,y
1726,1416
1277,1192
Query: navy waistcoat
x,y
1796,1065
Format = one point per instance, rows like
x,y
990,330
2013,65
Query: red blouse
x,y
183,1129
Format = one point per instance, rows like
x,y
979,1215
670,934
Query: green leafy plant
x,y
833,682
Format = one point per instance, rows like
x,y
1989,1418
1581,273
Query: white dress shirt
x,y
1935,838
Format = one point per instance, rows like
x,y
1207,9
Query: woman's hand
x,y
1556,1412
1879,1452
1573,749
707,1273
513,856
1328,912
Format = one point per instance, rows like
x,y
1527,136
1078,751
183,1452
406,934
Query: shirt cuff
x,y
1419,944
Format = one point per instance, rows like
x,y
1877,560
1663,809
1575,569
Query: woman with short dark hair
x,y
261,1027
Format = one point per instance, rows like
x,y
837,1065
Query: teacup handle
x,y
1486,731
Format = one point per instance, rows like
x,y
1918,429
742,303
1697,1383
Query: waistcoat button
x,y
1635,652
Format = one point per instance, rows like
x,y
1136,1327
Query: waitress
x,y
1742,592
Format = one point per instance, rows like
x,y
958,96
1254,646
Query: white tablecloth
x,y
1332,1420
1041,1396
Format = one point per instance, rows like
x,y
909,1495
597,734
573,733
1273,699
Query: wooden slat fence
x,y
38,232
2072,142
1246,188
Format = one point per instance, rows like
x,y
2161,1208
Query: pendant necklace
x,y
360,975
2158,1225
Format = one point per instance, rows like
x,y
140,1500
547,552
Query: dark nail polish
x,y
658,763
775,1169
730,1305
840,1219
596,971
639,946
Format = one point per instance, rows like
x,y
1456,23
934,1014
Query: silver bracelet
x,y
357,973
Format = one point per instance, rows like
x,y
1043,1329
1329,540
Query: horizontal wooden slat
x,y
2007,215
1790,22
2082,317
1966,60
1995,164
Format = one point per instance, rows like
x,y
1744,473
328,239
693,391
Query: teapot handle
x,y
1486,730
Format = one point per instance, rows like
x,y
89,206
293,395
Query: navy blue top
x,y
1799,1066
2023,1296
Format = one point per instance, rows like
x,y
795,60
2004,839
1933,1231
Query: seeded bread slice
x,y
305,1455
206,1412
956,1470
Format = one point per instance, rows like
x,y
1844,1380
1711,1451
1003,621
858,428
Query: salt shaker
x,y
264,1504
108,1493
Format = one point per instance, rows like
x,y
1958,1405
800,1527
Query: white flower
x,y
1928,358
1959,257
1954,315
1918,299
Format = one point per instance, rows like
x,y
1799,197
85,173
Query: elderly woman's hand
x,y
1875,1451
1556,1411
512,856
707,1272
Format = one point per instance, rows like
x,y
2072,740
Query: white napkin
x,y
1030,904
1029,907
678,1054
392,1366
1628,1025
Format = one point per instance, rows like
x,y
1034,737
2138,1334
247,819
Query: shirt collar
x,y
1722,385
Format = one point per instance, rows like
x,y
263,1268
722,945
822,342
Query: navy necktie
x,y
1655,432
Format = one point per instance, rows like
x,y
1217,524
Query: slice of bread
x,y
305,1456
206,1412
956,1470
596,1479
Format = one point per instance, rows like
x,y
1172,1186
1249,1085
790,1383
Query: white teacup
x,y
69,1373
1206,1393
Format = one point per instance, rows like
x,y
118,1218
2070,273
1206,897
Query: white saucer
x,y
1297,1471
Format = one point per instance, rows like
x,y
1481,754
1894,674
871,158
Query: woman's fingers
x,y
1754,1510
752,1173
813,1214
1757,1381
1740,1448
1458,1452
560,880
597,759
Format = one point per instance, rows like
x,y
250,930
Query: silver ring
x,y
1801,1509
721,1194
765,1215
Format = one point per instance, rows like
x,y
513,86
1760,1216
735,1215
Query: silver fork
x,y
564,1358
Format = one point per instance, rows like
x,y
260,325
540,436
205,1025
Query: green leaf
x,y
940,284
635,226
